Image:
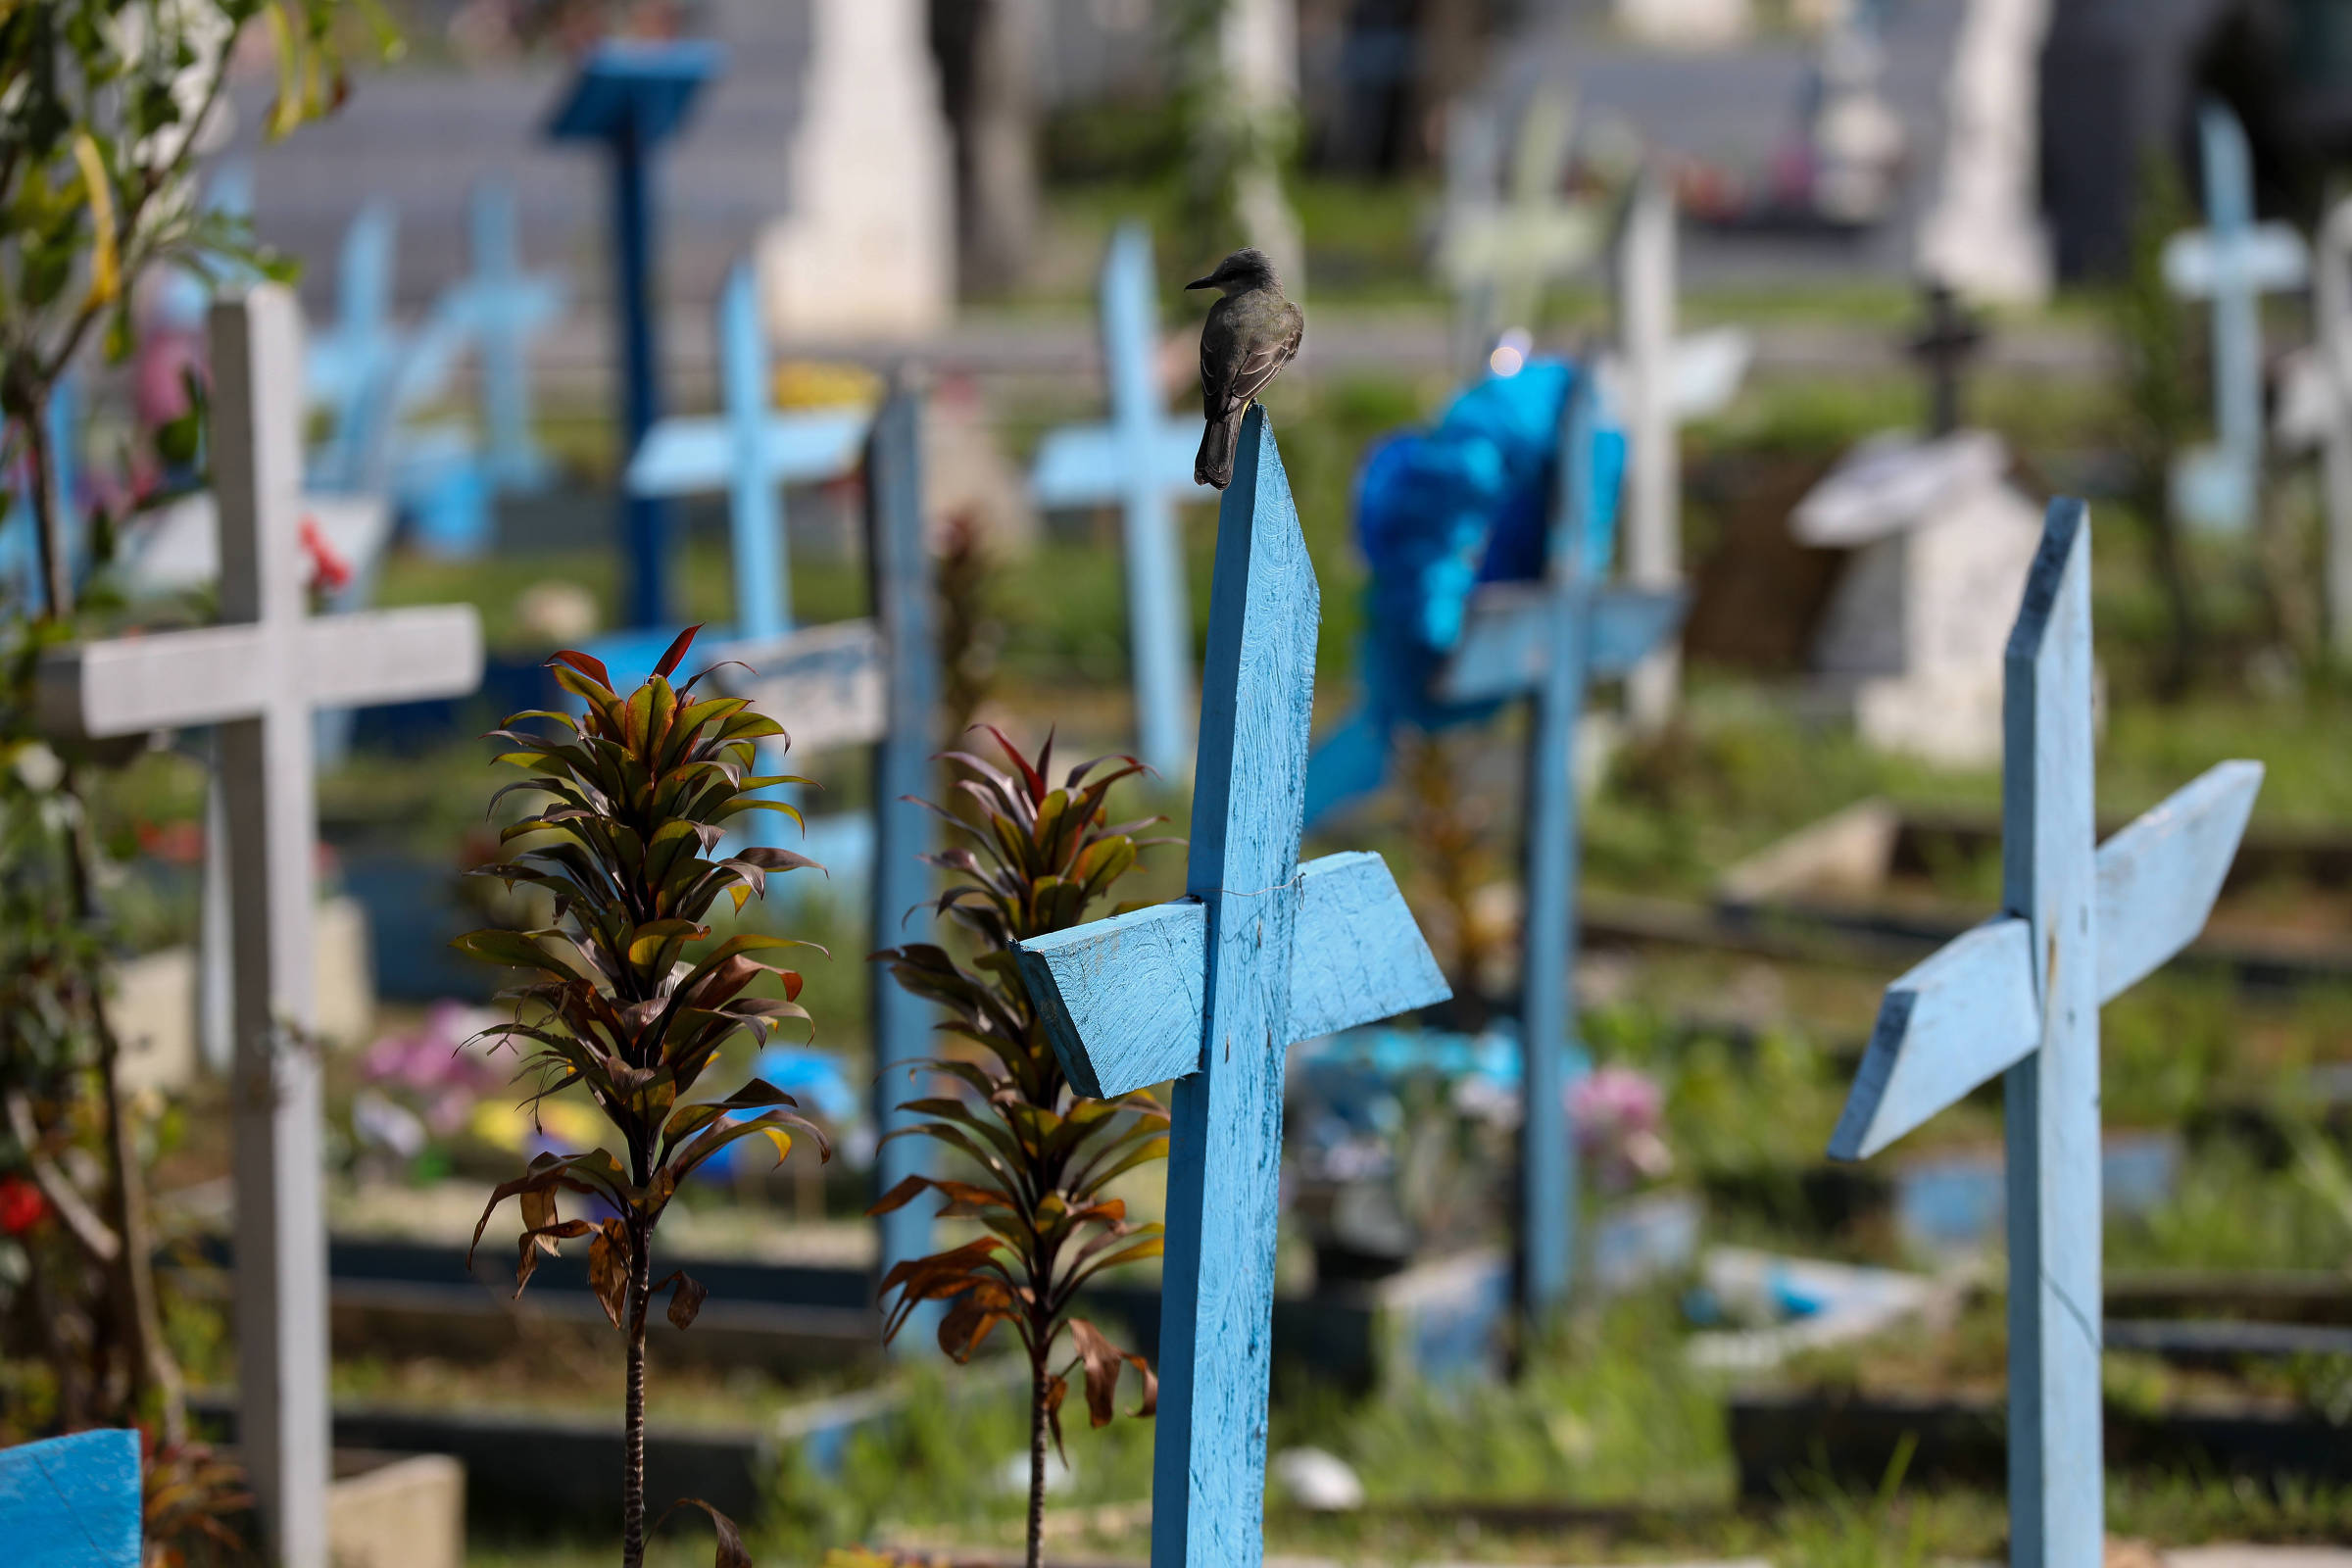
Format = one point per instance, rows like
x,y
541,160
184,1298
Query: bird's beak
x,y
1210,282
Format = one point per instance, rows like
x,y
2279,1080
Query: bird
x,y
1250,334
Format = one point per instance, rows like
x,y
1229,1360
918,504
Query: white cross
x,y
258,676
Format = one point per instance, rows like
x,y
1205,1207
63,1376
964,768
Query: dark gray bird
x,y
1250,334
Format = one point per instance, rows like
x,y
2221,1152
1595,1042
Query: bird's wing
x,y
1261,364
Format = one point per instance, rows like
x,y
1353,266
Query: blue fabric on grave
x,y
1439,511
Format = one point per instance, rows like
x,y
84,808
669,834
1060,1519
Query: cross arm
x,y
689,456
1123,998
1506,639
2158,878
1088,463
215,673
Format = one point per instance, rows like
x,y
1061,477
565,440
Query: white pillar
x,y
1653,528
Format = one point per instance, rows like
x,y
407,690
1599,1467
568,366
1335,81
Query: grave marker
x,y
2334,300
1944,343
2232,262
2020,996
259,677
500,307
1653,528
1142,459
632,95
1500,249
1547,641
1212,990
74,1501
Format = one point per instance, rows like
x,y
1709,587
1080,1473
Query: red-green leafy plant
x,y
1041,1157
634,797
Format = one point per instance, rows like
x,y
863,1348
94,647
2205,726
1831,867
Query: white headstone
x,y
1917,625
868,248
1983,236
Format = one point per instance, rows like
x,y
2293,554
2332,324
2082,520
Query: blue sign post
x,y
630,95
1142,459
1210,991
2020,996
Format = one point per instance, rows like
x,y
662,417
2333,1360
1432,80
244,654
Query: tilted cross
x,y
1547,641
1211,991
500,308
2232,262
752,452
2021,995
1142,459
258,676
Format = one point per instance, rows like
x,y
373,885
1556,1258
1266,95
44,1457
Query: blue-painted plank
x,y
1093,464
1947,1025
1629,623
1506,637
71,1503
694,455
2158,878
1136,983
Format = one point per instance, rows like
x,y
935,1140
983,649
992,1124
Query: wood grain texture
x,y
2158,878
71,1503
1947,1025
1124,999
902,596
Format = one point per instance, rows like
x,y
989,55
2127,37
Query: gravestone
x,y
1547,641
1508,237
1936,533
1142,459
869,249
1212,990
2020,996
259,676
72,1501
1982,237
631,96
2232,262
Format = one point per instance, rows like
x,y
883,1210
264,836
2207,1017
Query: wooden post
x,y
1212,990
2334,299
1653,543
1143,461
902,594
258,676
2021,995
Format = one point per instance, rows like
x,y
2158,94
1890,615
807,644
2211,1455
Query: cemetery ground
x,y
1621,1439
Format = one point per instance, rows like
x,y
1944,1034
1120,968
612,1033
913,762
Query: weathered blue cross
x,y
750,450
632,95
500,307
1210,991
1142,459
2232,262
1547,641
73,1502
2021,995
351,366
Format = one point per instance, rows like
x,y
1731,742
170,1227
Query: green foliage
x,y
635,797
1035,857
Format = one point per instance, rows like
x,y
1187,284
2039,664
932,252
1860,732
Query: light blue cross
x,y
1211,991
350,367
1142,459
73,1502
499,308
2021,995
2232,262
752,452
1547,641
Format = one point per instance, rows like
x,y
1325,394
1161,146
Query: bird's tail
x,y
1214,464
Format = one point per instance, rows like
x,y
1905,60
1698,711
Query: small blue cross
x,y
500,307
2021,995
1142,459
2234,261
751,452
73,1502
1211,991
351,366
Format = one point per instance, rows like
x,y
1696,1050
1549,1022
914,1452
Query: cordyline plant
x,y
635,795
1042,1158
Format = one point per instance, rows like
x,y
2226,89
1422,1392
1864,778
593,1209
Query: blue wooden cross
x,y
2021,995
500,308
73,1502
1547,641
752,452
1210,991
1142,459
351,366
630,95
2232,262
